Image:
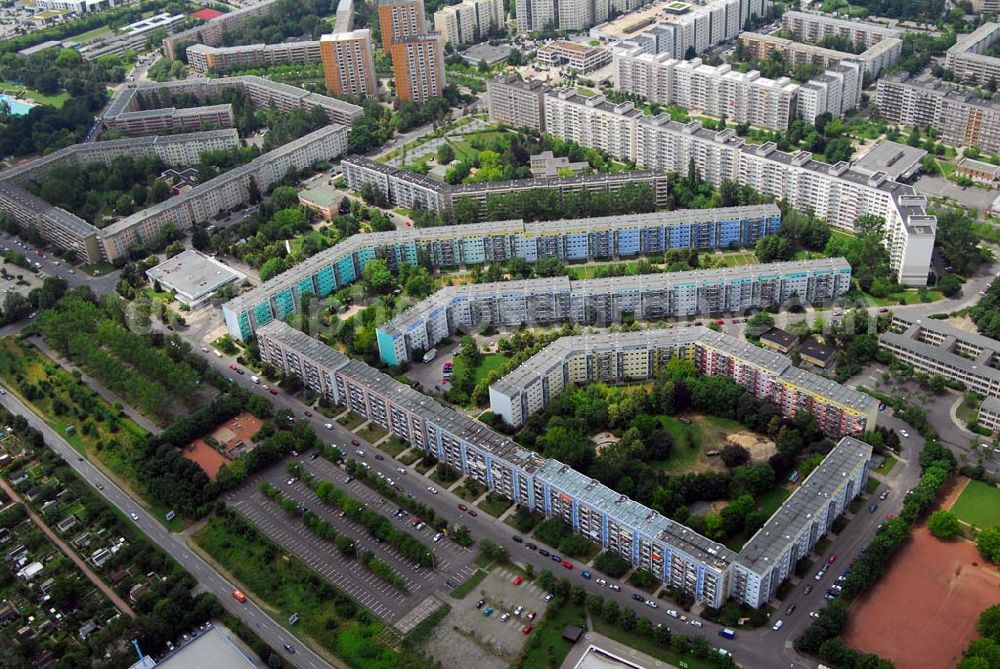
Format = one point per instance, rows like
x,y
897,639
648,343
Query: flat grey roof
x,y
798,512
192,273
211,650
991,405
893,158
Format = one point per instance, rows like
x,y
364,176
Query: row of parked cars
x,y
516,613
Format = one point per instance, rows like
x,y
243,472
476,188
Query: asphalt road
x,y
209,579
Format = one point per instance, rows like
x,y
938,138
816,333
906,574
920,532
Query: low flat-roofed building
x,y
211,650
192,276
320,200
575,56
980,172
897,161
816,352
486,52
934,347
989,414
778,340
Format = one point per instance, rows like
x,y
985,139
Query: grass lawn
x,y
488,364
372,433
98,268
393,446
57,100
705,433
469,584
496,506
872,485
466,494
979,505
771,500
547,648
887,466
411,457
967,411
351,420
649,646
589,271
91,34
423,467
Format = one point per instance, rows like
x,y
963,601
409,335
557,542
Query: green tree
x,y
988,543
284,197
445,154
378,278
943,524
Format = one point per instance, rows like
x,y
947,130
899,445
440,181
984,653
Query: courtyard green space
x,y
978,505
393,446
487,364
547,647
692,439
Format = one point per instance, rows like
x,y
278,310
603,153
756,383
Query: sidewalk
x,y
76,559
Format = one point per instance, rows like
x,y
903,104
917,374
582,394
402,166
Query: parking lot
x,y
387,602
497,642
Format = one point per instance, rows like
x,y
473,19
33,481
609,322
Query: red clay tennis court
x,y
923,613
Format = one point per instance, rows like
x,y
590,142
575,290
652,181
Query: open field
x,y
489,363
979,505
923,613
706,433
57,100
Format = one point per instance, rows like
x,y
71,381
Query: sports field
x,y
923,612
979,505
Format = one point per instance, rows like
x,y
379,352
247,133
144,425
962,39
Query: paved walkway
x,y
76,559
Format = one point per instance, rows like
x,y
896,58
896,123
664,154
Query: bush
x,y
612,564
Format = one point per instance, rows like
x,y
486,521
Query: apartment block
x,y
933,347
205,59
418,66
155,98
961,118
675,28
770,557
836,193
201,203
349,63
469,21
612,237
837,91
989,414
517,103
603,302
968,58
873,60
66,230
715,91
211,31
811,27
416,191
400,18
578,57
619,358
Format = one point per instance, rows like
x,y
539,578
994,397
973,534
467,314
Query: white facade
x,y
833,192
715,91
